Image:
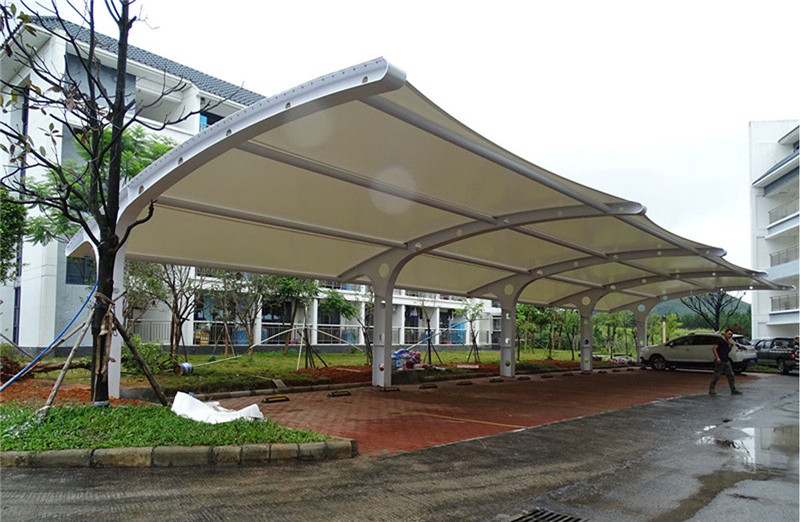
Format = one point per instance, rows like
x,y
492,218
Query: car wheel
x,y
658,363
737,370
782,367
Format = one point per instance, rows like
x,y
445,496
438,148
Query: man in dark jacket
x,y
722,363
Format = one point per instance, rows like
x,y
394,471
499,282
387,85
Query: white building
x,y
774,223
50,288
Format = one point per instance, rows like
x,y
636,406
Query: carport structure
x,y
357,177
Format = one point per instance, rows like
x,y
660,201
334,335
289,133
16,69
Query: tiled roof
x,y
203,81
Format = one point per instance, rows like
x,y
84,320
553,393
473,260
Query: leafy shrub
x,y
152,353
8,351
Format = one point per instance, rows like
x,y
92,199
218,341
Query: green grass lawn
x,y
132,426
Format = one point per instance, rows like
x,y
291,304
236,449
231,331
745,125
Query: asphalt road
x,y
695,457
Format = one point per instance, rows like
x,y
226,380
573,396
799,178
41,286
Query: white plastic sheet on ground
x,y
211,412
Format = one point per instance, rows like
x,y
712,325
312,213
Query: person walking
x,y
722,363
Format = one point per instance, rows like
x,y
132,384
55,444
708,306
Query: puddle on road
x,y
710,486
773,447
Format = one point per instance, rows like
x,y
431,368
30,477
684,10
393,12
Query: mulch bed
x,y
33,393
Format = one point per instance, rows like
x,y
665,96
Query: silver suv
x,y
695,350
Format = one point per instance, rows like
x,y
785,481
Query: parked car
x,y
780,352
695,350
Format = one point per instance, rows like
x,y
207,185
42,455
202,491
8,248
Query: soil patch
x,y
33,393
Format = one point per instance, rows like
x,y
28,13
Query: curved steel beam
x,y
428,243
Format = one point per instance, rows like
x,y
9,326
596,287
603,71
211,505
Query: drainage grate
x,y
545,515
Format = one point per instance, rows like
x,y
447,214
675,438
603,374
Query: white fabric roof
x,y
358,167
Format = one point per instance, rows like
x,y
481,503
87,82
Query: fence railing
x,y
782,303
787,209
335,334
152,331
783,257
211,333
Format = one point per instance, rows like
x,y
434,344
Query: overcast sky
x,y
647,100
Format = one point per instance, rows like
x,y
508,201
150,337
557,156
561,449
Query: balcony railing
x,y
783,257
787,209
339,286
274,334
337,334
781,303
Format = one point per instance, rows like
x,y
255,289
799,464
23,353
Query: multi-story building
x,y
50,287
774,222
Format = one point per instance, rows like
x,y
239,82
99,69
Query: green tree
x,y
299,292
716,308
246,294
572,325
12,227
472,311
95,113
174,286
654,327
526,324
335,302
140,285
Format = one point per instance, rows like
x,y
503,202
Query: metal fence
x,y
783,257
337,334
784,210
152,331
782,303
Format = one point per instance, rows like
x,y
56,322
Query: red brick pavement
x,y
414,418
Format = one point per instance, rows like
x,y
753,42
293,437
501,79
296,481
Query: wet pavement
x,y
681,456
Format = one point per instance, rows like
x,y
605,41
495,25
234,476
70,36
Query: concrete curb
x,y
180,456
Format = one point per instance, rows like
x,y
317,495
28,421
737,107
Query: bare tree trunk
x,y
291,326
101,330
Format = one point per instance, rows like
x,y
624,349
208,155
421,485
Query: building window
x,y
276,313
81,271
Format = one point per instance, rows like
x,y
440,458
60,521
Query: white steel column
x,y
362,308
507,292
508,327
640,313
401,333
383,274
586,341
585,306
313,322
382,342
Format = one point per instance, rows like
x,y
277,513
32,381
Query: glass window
x,y
80,271
276,313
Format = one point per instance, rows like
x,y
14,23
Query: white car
x,y
695,351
